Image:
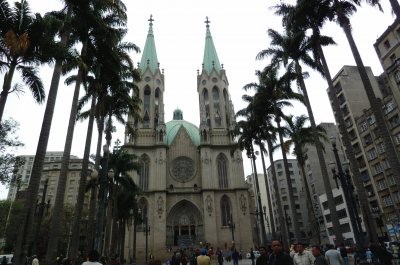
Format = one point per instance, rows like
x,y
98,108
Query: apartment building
x,y
383,194
299,197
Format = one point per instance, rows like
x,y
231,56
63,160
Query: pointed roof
x,y
149,56
210,58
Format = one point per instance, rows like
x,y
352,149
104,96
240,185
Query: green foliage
x,y
8,144
10,229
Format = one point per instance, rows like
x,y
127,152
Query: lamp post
x,y
288,221
147,233
232,227
348,192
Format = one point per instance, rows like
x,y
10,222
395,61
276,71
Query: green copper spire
x,y
149,57
210,59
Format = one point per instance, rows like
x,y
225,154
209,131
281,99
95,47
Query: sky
x,y
239,30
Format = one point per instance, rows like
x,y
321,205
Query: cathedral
x,y
192,177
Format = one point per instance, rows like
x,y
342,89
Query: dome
x,y
174,126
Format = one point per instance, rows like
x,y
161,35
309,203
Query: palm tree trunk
x,y
93,195
82,185
259,205
289,187
25,230
321,159
115,222
360,189
122,239
110,229
396,7
282,224
270,211
54,232
375,103
6,88
314,223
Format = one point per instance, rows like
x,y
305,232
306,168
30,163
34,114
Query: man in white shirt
x,y
93,258
333,256
303,257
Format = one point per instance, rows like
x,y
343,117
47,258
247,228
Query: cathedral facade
x,y
192,177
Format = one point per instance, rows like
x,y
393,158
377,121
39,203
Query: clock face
x,y
183,168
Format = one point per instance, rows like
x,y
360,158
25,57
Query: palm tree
x,y
94,18
275,92
25,231
300,136
343,9
313,14
24,44
395,7
289,50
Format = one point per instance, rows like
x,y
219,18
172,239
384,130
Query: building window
x,y
386,44
144,162
368,139
387,200
364,175
338,200
146,108
381,184
397,76
392,58
345,228
363,126
217,111
225,210
222,172
394,121
342,214
381,148
206,106
371,119
386,164
372,154
378,168
388,107
348,122
397,138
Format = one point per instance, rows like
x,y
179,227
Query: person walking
x,y
333,256
278,257
263,258
235,257
203,259
252,257
303,257
343,252
93,258
35,260
319,258
220,256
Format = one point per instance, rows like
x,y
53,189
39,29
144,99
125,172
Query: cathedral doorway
x,y
184,225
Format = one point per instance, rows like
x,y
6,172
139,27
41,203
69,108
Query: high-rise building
x,y
299,199
192,177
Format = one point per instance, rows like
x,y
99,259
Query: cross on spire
x,y
151,20
207,22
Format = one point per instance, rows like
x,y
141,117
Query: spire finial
x,y
207,22
151,20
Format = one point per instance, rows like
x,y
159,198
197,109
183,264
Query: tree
x,y
289,50
25,43
299,137
312,15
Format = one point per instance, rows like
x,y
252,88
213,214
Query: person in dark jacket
x,y
278,257
319,258
263,258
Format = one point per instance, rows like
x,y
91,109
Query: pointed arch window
x,y
222,171
156,105
142,212
206,105
225,210
226,101
144,172
217,111
146,107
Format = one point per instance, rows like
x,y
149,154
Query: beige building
x,y
192,178
368,146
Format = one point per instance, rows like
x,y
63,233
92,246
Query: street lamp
x,y
146,231
232,227
348,192
288,221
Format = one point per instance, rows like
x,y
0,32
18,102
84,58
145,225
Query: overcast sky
x,y
238,29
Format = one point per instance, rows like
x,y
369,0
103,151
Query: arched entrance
x,y
184,225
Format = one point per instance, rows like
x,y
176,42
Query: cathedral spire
x,y
210,59
149,56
